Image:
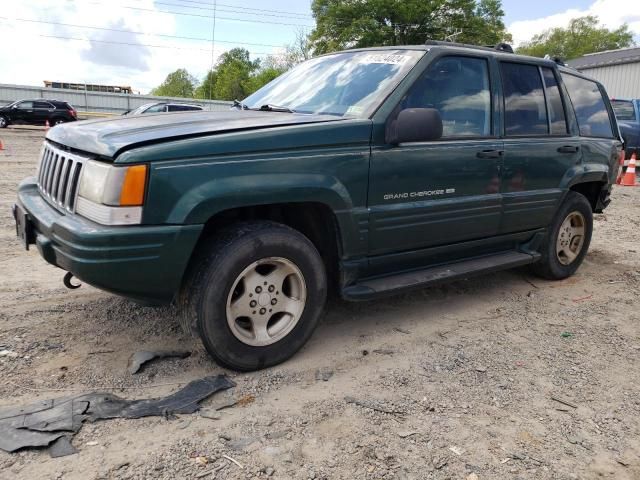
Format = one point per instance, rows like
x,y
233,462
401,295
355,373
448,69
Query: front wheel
x,y
58,121
255,294
568,239
3,122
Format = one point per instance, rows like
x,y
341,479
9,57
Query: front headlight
x,y
112,195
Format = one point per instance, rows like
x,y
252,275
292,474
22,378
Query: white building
x,y
617,70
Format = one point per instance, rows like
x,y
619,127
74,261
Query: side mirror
x,y
415,125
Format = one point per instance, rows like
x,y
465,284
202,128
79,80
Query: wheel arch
x,y
590,183
315,220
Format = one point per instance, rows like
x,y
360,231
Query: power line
x,y
213,39
200,16
248,8
60,37
274,13
202,39
343,22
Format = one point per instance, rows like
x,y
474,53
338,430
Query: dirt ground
x,y
467,372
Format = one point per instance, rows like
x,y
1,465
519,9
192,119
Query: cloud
x,y
612,13
134,55
33,52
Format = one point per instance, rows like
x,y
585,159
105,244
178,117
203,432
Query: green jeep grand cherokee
x,y
367,171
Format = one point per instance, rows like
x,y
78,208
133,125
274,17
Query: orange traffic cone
x,y
46,125
1,145
629,177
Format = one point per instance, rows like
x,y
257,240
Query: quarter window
x,y
524,102
591,111
557,120
458,87
623,109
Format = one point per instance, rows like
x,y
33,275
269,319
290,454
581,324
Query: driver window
x,y
458,87
25,105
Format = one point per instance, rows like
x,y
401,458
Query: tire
x,y
4,122
57,121
563,250
232,273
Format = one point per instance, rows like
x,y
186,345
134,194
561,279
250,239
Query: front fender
x,y
217,195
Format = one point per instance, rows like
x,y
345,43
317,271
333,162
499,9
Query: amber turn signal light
x,y
133,187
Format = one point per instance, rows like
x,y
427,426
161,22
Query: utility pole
x,y
213,43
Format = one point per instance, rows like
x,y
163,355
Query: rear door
x,y
598,129
424,194
539,150
41,112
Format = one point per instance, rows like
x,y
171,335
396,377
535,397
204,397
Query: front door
x,y
426,194
23,112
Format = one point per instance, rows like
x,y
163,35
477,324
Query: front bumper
x,y
142,262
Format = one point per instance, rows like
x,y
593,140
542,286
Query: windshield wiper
x,y
276,108
238,103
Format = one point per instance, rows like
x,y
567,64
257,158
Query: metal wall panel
x,y
621,81
115,103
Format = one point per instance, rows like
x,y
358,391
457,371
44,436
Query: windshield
x,y
140,109
344,84
623,109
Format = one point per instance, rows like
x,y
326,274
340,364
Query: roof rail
x,y
501,47
557,60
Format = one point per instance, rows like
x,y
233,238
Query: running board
x,y
442,273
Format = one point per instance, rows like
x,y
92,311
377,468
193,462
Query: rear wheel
x,y
568,239
255,295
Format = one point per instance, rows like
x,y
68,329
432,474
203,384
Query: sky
x,y
90,40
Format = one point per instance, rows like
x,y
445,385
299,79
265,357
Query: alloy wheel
x,y
266,301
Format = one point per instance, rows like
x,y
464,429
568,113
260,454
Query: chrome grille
x,y
58,177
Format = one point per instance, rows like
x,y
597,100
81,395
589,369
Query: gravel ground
x,y
454,382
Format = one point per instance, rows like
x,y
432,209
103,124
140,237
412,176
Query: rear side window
x,y
557,119
45,105
623,109
591,111
524,102
458,87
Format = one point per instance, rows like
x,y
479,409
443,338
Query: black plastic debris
x,y
140,358
62,447
47,422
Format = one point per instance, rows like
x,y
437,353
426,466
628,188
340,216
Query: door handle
x,y
489,154
568,149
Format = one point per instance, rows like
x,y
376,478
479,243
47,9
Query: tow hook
x,y
67,281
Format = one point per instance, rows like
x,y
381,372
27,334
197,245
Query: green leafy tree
x,y
236,76
364,23
262,77
583,35
177,84
206,88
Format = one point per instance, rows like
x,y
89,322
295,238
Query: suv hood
x,y
109,137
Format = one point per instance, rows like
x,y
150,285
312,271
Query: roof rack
x,y
500,47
